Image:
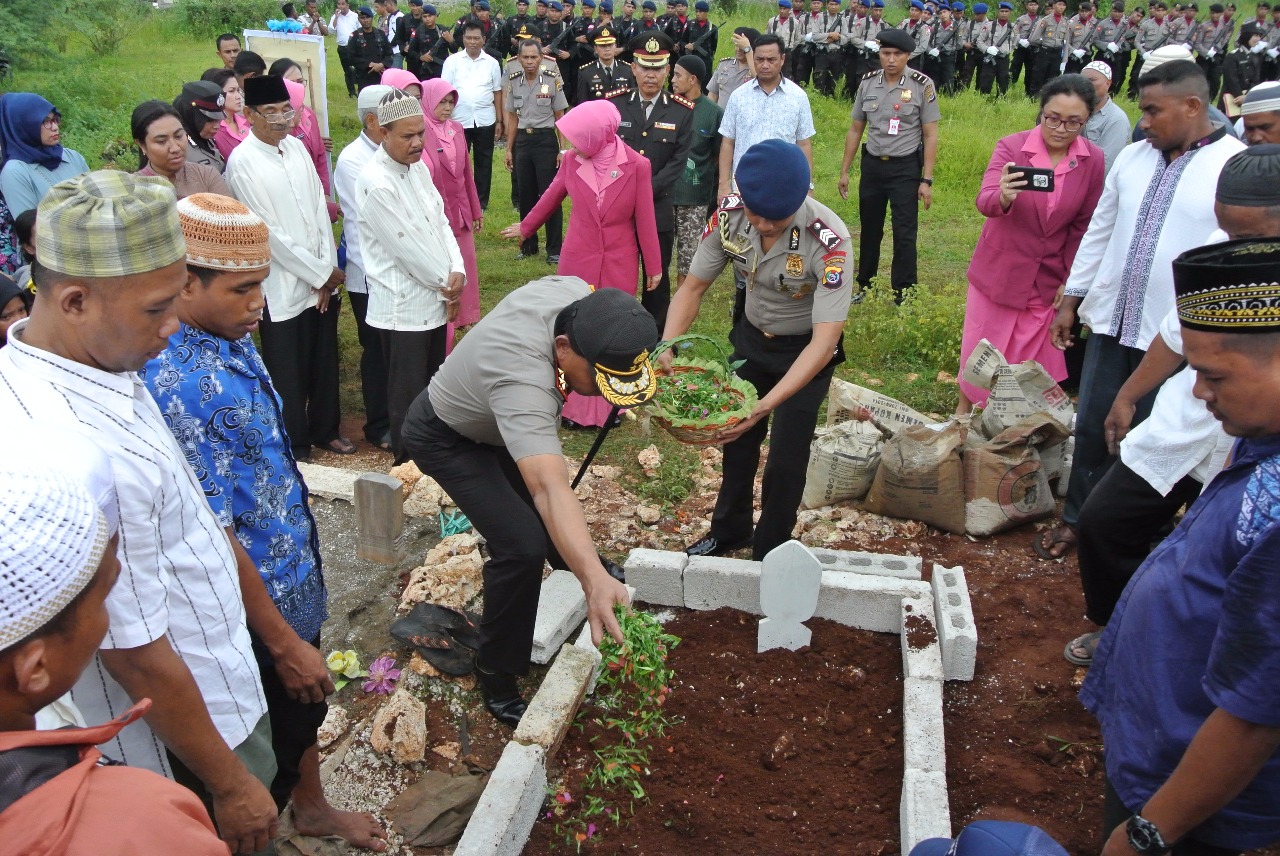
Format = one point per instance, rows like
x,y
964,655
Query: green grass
x,y
900,351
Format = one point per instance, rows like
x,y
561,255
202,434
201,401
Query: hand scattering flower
x,y
382,676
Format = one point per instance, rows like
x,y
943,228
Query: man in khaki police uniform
x,y
534,99
793,252
898,108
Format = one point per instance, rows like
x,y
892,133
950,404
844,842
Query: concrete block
x,y
957,631
561,609
876,564
329,482
552,708
380,518
583,643
658,576
921,653
864,601
504,817
923,745
924,811
712,582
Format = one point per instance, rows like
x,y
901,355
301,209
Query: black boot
x,y
501,696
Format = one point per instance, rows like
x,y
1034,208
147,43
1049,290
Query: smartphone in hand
x,y
1037,179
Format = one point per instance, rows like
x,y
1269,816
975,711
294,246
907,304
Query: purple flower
x,y
591,830
382,676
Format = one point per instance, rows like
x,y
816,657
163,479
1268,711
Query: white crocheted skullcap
x,y
397,105
50,545
223,234
1100,67
1263,98
1168,53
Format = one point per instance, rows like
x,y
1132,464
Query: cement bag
x,y
1017,392
847,401
921,477
1005,481
842,462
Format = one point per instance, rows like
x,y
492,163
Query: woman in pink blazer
x,y
1030,238
444,151
611,223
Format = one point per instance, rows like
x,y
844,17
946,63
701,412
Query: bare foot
x,y
358,828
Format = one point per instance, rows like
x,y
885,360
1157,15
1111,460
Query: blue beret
x,y
773,179
784,4
702,6
366,11
415,2
483,4
650,5
1006,5
957,7
606,6
877,4
979,8
916,4
428,9
588,4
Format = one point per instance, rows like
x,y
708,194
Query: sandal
x,y
432,618
441,651
1087,642
339,446
1046,543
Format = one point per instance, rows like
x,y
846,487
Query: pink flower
x,y
591,830
382,676
564,798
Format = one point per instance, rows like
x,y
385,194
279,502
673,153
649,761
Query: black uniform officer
x,y
604,74
368,47
793,252
898,108
659,125
428,45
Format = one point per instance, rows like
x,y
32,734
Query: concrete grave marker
x,y
790,580
380,518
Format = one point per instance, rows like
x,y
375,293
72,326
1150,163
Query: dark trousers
x,y
993,69
893,182
487,486
767,361
1107,365
348,70
1075,66
657,301
788,66
824,71
302,356
373,372
1118,523
480,145
1119,65
1134,72
535,168
1115,813
1020,57
1212,69
802,64
968,67
293,723
1045,62
942,69
853,72
412,358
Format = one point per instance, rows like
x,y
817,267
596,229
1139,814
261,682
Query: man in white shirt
x,y
343,23
1156,203
272,173
351,162
478,79
412,263
390,24
112,263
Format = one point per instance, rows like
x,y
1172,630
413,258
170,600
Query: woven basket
x,y
703,432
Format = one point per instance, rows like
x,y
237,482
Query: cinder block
x,y
924,811
923,745
504,817
658,576
921,653
329,482
552,708
561,609
583,643
864,601
711,582
876,564
957,631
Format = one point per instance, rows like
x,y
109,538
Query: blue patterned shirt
x,y
218,401
1198,628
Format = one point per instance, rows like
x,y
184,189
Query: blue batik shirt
x,y
218,401
1198,628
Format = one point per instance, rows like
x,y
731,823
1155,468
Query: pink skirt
x,y
590,410
1019,334
469,304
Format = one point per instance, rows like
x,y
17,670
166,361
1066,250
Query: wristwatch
x,y
928,181
1145,838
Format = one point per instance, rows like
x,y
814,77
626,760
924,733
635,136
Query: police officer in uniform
x,y
659,125
794,253
733,71
428,45
523,34
604,74
533,97
995,41
898,109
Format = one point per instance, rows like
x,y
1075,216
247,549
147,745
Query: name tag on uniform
x,y
624,124
894,124
664,126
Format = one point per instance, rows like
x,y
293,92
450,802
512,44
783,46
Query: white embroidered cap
x,y
397,105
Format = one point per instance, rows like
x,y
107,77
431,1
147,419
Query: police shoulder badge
x,y
793,243
730,202
825,235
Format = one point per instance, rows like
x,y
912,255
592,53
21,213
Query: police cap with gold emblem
x,y
615,334
605,36
652,50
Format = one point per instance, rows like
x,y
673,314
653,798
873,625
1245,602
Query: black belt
x,y
537,130
867,152
791,339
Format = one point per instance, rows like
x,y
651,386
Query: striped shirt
x,y
178,576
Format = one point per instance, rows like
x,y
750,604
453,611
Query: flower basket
x,y
701,397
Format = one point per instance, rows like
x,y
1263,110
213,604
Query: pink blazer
x,y
461,200
601,243
1024,252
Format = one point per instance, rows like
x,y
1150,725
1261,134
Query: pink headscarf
x,y
592,129
399,78
306,116
440,135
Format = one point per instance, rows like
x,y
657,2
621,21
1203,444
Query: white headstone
x,y
790,579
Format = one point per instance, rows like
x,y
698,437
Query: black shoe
x,y
712,546
522,256
501,696
553,259
570,425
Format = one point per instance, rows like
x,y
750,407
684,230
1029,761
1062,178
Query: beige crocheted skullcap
x,y
223,234
108,223
397,105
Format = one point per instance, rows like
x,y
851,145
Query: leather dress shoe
x,y
712,546
501,696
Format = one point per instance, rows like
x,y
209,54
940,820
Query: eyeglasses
x,y
1053,123
51,122
276,118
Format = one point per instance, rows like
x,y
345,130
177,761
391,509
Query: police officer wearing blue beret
x,y
793,252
